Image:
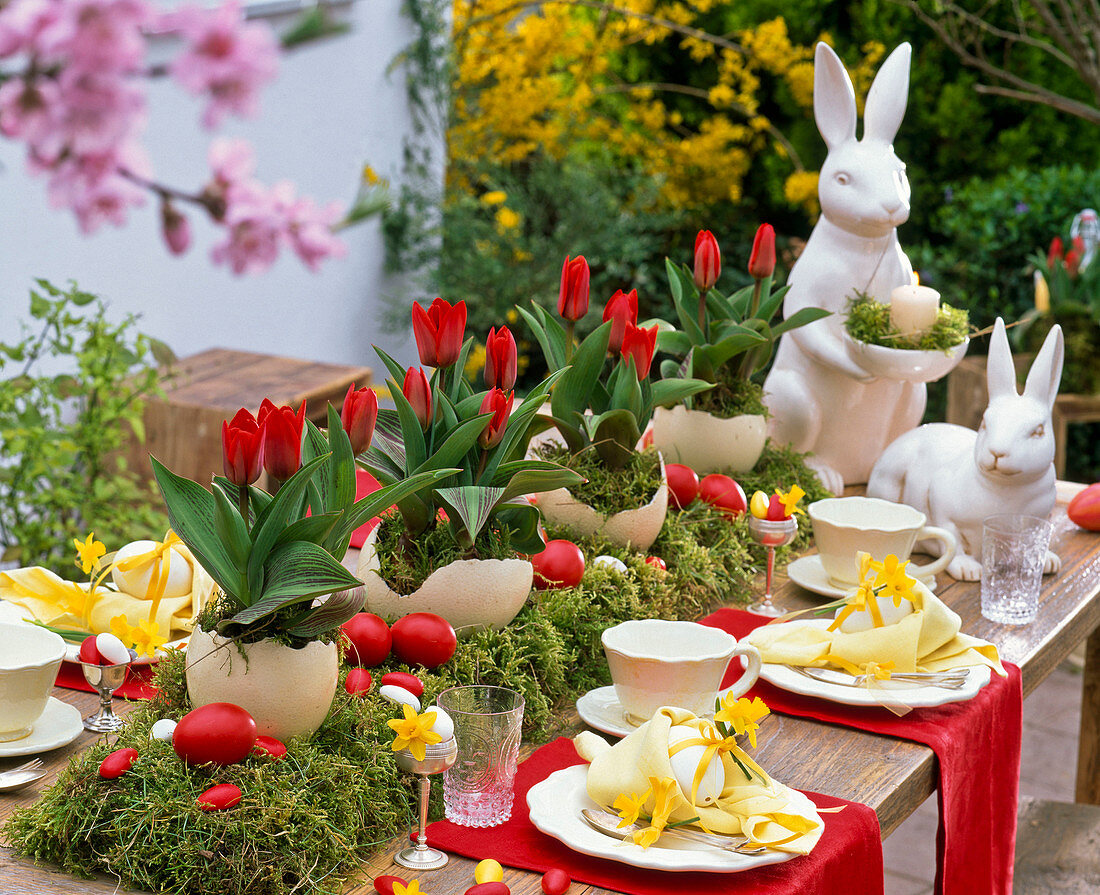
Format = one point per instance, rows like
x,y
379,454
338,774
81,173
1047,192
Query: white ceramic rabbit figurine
x,y
957,476
820,398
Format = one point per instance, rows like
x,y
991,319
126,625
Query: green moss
x,y
609,490
731,396
869,321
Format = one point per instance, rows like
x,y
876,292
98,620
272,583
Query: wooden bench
x,y
1057,849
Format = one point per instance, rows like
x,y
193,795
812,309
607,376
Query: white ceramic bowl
x,y
905,364
29,659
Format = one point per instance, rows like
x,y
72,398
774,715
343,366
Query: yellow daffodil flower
x,y
662,789
412,888
146,638
120,627
863,597
790,500
414,732
89,552
891,576
629,807
743,714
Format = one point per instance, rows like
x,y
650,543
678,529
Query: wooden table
x,y
892,776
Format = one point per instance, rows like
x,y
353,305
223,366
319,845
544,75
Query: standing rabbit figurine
x,y
821,400
957,476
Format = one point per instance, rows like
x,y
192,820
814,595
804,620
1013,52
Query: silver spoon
x,y
21,776
944,680
607,823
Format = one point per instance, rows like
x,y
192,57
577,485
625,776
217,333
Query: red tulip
x,y
439,331
242,448
418,392
573,294
708,260
621,309
500,405
762,259
640,343
358,416
1054,253
282,438
500,359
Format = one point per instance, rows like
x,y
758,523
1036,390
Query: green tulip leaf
x,y
472,504
522,521
615,437
337,608
667,392
574,390
799,318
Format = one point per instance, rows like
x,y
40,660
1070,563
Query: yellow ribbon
x,y
160,554
714,744
880,671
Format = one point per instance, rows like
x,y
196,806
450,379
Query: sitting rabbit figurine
x,y
821,400
957,476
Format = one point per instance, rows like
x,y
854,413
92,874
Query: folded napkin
x,y
750,803
921,635
847,860
977,744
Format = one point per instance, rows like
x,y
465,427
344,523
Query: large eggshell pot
x,y
472,594
708,443
287,691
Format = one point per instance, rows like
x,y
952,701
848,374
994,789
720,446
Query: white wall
x,y
332,109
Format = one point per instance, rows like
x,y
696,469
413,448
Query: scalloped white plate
x,y
57,726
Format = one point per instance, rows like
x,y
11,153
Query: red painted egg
x,y
358,681
556,881
383,885
1084,509
683,484
220,797
221,732
117,763
776,511
724,493
269,746
561,564
369,640
493,888
89,653
423,638
657,563
404,680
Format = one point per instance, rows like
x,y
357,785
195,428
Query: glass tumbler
x,y
478,789
1013,550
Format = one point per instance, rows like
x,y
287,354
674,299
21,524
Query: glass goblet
x,y
106,679
437,758
771,534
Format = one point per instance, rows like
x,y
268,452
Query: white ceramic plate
x,y
916,696
808,572
555,806
58,725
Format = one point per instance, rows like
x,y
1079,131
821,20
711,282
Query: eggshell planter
x,y
709,443
635,529
472,594
287,691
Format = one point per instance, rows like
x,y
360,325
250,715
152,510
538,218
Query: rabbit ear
x,y
1000,372
888,97
1046,372
834,98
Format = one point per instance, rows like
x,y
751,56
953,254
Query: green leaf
x,y
522,520
667,392
309,528
546,477
548,333
799,318
673,341
473,504
454,449
340,606
382,499
340,478
412,435
616,434
571,395
397,372
233,532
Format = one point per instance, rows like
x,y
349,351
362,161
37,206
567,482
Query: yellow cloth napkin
x,y
928,639
760,808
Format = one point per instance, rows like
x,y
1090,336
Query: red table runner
x,y
846,861
978,746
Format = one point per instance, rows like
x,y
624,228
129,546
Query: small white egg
x,y
861,620
444,725
611,562
112,649
162,730
399,695
686,762
136,581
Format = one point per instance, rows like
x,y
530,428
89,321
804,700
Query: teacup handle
x,y
752,672
950,545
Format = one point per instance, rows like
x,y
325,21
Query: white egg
x,y
136,581
610,561
686,762
444,725
399,695
861,620
162,730
112,649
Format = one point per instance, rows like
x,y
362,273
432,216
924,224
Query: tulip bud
x,y
500,359
282,438
621,309
1054,253
708,260
640,344
358,416
242,448
573,292
418,392
500,405
439,332
176,228
762,259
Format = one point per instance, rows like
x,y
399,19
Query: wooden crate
x,y
968,396
183,429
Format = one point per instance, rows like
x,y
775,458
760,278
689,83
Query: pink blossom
x,y
255,226
225,57
94,187
22,22
176,229
106,35
231,160
310,232
98,112
28,111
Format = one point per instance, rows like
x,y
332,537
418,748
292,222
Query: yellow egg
x,y
758,506
488,871
135,581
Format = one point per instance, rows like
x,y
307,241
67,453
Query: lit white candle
x,y
913,308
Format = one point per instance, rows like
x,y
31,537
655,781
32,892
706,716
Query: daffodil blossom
x,y
414,732
629,807
412,888
120,627
891,576
662,789
790,500
146,638
743,714
88,552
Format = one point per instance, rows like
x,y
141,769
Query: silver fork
x,y
947,680
33,765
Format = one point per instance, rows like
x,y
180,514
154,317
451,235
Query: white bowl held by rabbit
x,y
821,399
958,477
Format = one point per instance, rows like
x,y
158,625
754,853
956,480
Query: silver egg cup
x,y
106,679
771,533
437,758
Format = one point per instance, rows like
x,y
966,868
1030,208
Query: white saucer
x,y
600,709
808,572
58,725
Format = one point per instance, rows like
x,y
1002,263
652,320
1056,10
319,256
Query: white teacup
x,y
844,527
29,659
656,663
